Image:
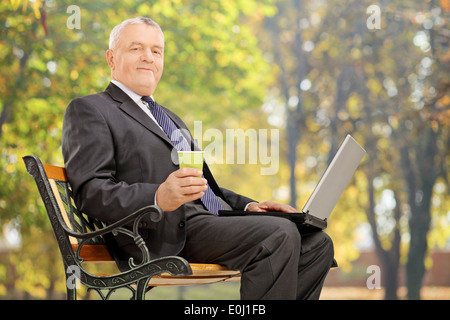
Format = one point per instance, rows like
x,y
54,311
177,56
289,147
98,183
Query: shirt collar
x,y
133,95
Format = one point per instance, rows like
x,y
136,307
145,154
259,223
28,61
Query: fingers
x,y
192,181
256,207
275,206
181,186
187,172
193,190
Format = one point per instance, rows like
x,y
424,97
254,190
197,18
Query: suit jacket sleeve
x,y
237,201
88,149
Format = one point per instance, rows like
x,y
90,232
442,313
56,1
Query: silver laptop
x,y
335,179
327,192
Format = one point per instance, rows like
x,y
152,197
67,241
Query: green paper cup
x,y
191,159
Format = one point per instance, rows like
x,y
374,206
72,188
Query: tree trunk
x,y
420,191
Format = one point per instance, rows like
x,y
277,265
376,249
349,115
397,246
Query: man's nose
x,y
147,55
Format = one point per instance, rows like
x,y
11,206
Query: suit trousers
x,y
275,260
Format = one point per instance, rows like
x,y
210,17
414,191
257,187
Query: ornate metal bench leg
x,y
141,289
71,294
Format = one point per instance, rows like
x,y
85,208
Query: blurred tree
x,y
389,87
425,158
213,71
403,138
329,74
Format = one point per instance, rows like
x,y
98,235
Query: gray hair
x,y
117,30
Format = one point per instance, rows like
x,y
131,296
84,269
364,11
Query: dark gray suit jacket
x,y
116,157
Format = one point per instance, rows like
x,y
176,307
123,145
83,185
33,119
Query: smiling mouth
x,y
145,69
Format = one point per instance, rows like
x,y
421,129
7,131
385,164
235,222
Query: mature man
x,y
117,151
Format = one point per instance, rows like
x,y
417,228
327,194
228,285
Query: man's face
x,y
137,60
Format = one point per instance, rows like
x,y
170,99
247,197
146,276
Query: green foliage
x,y
213,65
309,68
389,87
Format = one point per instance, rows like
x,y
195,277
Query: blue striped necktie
x,y
209,199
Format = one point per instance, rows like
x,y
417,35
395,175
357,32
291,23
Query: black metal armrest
x,y
135,218
155,212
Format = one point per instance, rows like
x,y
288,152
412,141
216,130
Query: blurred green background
x,y
314,69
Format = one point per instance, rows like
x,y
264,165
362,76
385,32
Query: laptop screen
x,y
335,179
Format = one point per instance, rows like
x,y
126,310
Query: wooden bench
x,y
81,239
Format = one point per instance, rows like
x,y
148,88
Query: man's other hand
x,y
270,206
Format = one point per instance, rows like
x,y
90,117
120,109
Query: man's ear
x,y
110,58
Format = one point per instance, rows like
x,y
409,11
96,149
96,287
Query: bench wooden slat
x,y
166,281
54,172
202,273
94,253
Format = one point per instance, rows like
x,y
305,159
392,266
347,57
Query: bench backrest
x,y
74,219
56,193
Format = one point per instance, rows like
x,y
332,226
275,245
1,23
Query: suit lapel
x,y
212,182
131,109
